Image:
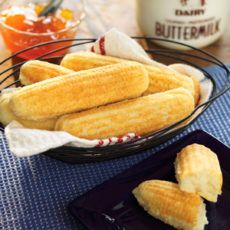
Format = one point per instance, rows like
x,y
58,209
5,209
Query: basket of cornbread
x,y
100,97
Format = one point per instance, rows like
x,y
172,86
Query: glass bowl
x,y
17,40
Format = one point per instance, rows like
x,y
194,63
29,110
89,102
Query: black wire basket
x,y
74,155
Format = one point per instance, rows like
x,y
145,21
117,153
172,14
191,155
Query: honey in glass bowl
x,y
23,27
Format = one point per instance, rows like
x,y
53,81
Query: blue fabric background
x,y
35,191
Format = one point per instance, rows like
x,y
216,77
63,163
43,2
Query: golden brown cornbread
x,y
87,60
166,202
196,84
141,115
193,73
80,91
35,71
159,79
6,116
198,170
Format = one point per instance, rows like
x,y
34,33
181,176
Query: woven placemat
x,y
35,191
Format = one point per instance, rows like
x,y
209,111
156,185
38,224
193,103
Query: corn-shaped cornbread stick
x,y
198,170
35,71
80,91
83,60
195,74
141,115
159,79
166,202
6,116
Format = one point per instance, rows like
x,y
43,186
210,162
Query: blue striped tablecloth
x,y
35,191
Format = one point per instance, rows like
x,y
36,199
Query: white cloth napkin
x,y
27,142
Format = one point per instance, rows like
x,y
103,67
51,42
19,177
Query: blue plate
x,y
111,205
